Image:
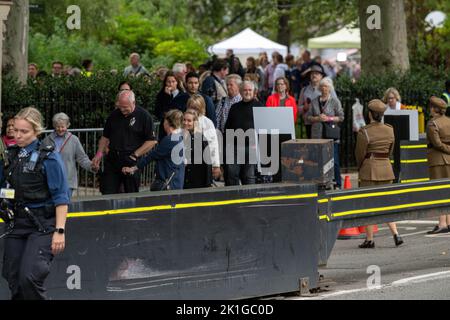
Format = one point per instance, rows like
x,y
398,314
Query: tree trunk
x,y
384,49
284,31
15,53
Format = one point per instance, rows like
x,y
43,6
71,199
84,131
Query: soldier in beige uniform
x,y
438,135
374,145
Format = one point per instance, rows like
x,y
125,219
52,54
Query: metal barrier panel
x,y
228,243
395,202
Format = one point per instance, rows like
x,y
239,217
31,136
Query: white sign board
x,y
413,121
280,118
272,121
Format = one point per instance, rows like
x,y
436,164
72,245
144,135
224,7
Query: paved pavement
x,y
419,269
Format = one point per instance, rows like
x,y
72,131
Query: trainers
x,y
398,240
367,245
437,230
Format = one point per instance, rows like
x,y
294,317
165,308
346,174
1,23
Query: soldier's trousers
x,y
27,259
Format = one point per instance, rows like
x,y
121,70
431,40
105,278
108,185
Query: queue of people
x,y
194,117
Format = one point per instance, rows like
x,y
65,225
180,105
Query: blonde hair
x,y
194,113
33,116
197,103
174,118
394,92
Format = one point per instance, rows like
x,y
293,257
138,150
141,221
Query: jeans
x,y
243,172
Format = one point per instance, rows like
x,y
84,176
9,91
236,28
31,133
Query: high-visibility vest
x,y
446,97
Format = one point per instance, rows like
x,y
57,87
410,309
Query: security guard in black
x,y
129,134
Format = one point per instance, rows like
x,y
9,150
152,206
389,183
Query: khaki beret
x,y
438,103
377,105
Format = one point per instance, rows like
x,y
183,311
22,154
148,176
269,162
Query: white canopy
x,y
247,43
345,38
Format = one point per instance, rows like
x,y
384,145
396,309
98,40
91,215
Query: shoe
x,y
398,240
438,230
367,245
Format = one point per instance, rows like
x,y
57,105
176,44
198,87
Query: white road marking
x,y
412,234
425,222
425,277
397,283
439,235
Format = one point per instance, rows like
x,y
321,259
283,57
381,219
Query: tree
x,y
15,58
283,20
384,44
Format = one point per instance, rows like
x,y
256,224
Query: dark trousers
x,y
308,128
337,168
243,172
27,259
112,177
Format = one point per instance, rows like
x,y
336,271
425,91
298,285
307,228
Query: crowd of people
x,y
214,97
196,110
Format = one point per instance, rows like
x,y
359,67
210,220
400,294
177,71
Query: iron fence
x,y
88,182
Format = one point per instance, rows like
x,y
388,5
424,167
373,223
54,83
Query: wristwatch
x,y
59,230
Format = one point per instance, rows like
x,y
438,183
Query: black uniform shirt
x,y
126,134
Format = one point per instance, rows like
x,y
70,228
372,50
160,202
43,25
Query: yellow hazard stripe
x,y
414,161
322,201
387,193
415,180
419,146
402,206
325,217
411,161
190,205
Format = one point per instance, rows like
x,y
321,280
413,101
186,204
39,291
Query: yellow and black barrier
x,y
215,243
388,203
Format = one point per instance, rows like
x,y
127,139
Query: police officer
x,y
374,145
129,134
36,174
438,135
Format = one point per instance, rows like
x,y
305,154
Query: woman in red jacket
x,y
281,97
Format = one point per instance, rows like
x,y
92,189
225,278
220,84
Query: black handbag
x,y
331,131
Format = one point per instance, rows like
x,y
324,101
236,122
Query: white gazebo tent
x,y
345,38
247,43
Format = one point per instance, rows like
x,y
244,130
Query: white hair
x,y
237,78
134,54
61,117
327,82
178,68
129,93
251,83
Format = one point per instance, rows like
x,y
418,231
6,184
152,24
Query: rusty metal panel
x,y
307,161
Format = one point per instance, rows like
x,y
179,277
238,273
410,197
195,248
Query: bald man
x,y
128,134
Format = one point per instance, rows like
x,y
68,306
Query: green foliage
x,y
136,33
415,87
427,45
306,18
72,49
87,101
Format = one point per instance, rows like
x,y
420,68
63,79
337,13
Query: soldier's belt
x,y
377,155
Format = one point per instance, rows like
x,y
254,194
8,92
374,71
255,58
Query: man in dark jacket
x,y
214,85
240,152
192,86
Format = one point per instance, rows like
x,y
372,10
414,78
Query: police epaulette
x,y
47,148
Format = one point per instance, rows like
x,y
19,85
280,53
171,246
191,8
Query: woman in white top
x,y
197,103
392,99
